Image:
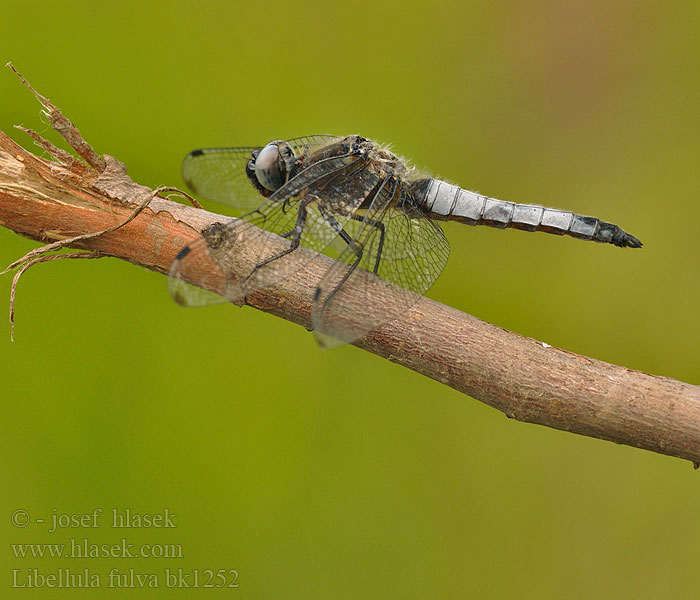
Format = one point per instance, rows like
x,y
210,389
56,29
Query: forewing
x,y
309,144
218,174
351,302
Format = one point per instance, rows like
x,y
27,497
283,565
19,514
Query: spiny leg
x,y
335,225
353,266
357,249
382,232
345,236
294,233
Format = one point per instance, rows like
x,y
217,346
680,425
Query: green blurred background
x,y
337,474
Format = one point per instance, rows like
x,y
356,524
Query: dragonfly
x,y
371,211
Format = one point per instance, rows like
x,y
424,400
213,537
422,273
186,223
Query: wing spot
x,y
184,252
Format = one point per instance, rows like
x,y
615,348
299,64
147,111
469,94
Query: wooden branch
x,y
527,380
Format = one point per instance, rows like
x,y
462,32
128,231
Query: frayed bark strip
x,y
65,127
31,263
58,153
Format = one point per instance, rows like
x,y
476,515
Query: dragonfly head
x,y
270,167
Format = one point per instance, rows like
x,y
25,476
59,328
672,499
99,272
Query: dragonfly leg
x,y
333,222
349,272
337,227
295,235
382,232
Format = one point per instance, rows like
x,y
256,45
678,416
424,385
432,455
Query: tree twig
x,y
70,200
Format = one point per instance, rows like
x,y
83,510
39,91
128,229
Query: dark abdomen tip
x,y
612,234
625,240
632,242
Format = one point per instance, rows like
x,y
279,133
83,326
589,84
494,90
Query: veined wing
x,y
219,174
398,243
309,144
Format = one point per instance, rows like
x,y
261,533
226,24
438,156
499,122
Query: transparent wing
x,y
308,144
201,261
218,174
395,241
301,208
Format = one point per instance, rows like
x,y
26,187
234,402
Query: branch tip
x,y
66,129
44,101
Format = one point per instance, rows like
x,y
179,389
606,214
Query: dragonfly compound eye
x,y
269,167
